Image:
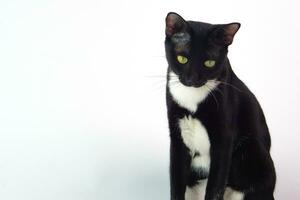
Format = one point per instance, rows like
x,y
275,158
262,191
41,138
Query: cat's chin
x,y
197,85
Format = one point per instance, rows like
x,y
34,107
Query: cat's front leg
x,y
221,152
179,167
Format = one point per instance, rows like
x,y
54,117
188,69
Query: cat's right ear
x,y
175,24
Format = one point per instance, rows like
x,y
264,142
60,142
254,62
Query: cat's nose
x,y
189,82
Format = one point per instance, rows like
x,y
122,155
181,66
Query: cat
x,y
219,139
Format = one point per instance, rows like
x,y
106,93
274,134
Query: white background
x,y
82,102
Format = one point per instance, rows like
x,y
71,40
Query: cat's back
x,y
250,117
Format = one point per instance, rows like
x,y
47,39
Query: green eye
x,y
182,59
209,63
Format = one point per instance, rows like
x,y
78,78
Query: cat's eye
x,y
182,59
209,63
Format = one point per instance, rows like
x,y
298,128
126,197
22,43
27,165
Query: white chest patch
x,y
196,139
189,97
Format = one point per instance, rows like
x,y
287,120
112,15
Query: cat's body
x,y
219,138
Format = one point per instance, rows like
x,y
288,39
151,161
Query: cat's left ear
x,y
224,34
175,24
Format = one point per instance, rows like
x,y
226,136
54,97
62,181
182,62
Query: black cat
x,y
220,141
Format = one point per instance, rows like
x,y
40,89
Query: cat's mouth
x,y
175,79
193,84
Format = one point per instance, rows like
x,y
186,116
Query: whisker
x,y
158,82
233,86
220,91
174,83
211,92
159,76
156,77
159,56
159,87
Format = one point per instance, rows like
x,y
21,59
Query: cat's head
x,y
196,51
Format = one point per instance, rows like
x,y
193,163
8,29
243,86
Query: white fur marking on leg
x,y
231,194
196,192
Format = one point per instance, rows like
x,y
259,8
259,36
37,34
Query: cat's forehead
x,y
181,37
181,41
195,36
200,25
199,30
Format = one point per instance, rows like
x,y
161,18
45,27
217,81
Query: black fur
x,y
236,126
